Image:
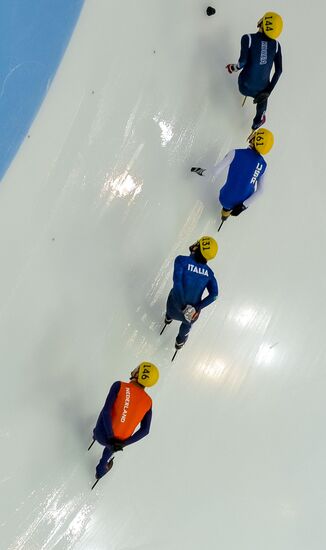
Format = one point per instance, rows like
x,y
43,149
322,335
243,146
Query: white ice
x,y
96,205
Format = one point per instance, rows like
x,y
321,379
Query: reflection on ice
x,y
245,317
64,520
78,525
124,185
265,354
250,317
166,130
212,369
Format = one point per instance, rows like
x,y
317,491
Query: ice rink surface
x,y
94,208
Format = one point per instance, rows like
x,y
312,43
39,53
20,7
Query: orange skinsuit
x,y
128,410
125,408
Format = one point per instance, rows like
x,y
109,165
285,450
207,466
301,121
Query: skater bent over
x,y
246,169
126,406
259,52
191,277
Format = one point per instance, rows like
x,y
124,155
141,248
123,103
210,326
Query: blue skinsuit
x,y
257,57
241,180
103,432
190,279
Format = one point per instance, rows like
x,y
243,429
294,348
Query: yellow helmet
x,y
262,140
148,374
208,247
272,24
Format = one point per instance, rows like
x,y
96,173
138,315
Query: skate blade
x,y
221,225
110,465
163,329
91,445
96,482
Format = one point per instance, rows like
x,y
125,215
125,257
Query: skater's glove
x,y
189,313
262,96
225,214
232,68
238,209
199,171
117,445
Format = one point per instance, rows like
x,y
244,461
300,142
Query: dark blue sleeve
x,y
212,293
278,68
244,51
106,411
178,281
143,429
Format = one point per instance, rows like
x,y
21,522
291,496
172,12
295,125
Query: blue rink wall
x,y
33,37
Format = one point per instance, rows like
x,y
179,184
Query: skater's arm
x,y
106,412
143,430
178,282
259,190
224,163
245,44
278,68
212,293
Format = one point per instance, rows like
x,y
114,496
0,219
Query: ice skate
x,y
108,467
257,125
178,347
167,321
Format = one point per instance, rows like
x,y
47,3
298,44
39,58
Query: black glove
x,y
238,209
199,171
232,68
261,97
117,445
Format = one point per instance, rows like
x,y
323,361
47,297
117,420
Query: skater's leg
x,y
172,310
183,333
261,106
99,433
243,89
260,114
101,468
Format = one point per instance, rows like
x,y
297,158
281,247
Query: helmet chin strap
x,y
194,247
134,376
